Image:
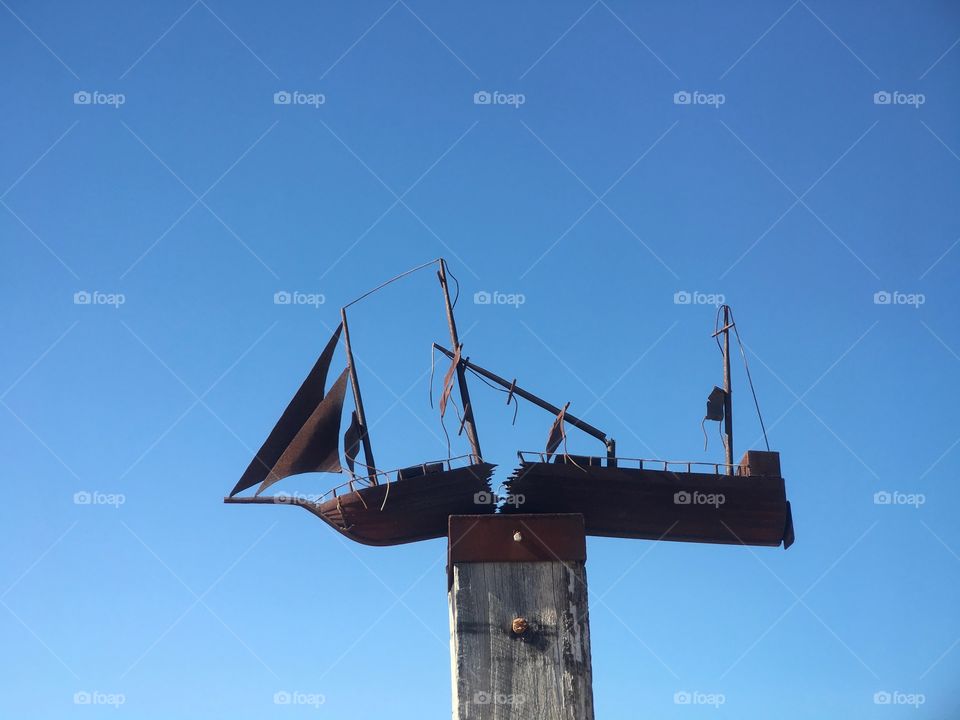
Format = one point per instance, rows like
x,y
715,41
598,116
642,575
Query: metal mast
x,y
468,422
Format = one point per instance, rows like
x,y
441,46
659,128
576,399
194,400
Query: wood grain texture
x,y
544,673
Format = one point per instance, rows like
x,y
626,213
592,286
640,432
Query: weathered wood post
x,y
519,626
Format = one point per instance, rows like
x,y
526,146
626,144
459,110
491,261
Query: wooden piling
x,y
519,624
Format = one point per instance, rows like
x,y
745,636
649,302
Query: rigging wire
x,y
513,398
746,365
456,297
392,280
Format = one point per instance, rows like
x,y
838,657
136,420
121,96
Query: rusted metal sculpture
x,y
373,507
618,497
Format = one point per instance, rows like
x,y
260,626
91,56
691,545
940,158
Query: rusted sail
x,y
557,432
351,441
303,404
448,381
315,448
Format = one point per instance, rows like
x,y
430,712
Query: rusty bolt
x,y
519,626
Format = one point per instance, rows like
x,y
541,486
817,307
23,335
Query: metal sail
x,y
448,381
316,447
351,441
557,432
304,402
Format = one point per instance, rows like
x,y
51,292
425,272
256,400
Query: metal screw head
x,y
519,626
517,537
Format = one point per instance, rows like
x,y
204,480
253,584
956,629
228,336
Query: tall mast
x,y
468,421
727,396
358,400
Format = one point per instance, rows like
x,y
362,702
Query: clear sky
x,y
801,160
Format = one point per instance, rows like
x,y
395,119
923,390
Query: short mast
x,y
727,396
468,421
358,400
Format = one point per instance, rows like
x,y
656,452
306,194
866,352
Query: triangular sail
x,y
557,432
351,441
304,402
316,448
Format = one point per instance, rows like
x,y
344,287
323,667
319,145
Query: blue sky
x,y
811,180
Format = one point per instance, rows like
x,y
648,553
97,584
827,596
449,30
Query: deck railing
x,y
363,481
689,466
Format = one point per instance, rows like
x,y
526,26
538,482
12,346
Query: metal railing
x,y
689,466
388,476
